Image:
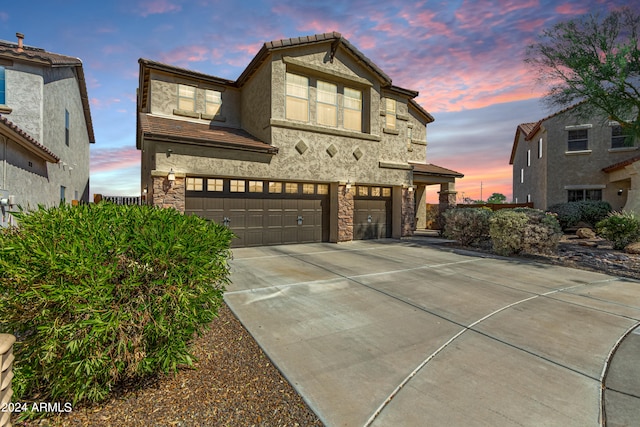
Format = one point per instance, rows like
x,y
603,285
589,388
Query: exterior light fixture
x,y
411,189
172,176
348,186
620,192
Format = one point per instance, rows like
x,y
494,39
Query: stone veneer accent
x,y
168,195
447,200
345,214
408,213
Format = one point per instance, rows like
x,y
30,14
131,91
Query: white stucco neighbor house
x,y
45,128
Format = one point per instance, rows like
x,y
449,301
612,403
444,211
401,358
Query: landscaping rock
x,y
633,248
585,233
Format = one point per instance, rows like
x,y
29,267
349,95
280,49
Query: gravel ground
x,y
234,384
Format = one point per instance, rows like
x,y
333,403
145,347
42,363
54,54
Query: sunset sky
x,y
464,57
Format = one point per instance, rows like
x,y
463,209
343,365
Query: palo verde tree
x,y
497,198
593,61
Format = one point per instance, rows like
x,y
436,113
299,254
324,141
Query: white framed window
x,y
528,198
327,105
578,140
521,176
186,98
528,157
212,102
67,132
390,109
63,193
3,88
297,104
352,101
540,148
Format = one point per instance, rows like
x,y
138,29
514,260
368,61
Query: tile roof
x,y
430,169
41,56
26,140
201,133
621,164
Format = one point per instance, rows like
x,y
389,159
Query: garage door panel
x,y
372,219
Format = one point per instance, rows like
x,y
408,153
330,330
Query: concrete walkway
x,y
402,333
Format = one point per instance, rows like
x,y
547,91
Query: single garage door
x,y
372,213
262,212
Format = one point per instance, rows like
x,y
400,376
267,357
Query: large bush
x,y
588,211
98,294
621,228
524,230
468,226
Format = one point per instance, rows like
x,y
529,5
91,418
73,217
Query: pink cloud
x,y
571,9
155,7
185,54
110,159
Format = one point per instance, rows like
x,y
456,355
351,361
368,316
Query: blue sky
x,y
464,57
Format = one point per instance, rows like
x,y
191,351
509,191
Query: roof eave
x,y
207,142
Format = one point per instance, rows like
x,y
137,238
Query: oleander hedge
x,y
98,294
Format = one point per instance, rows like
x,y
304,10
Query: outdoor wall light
x,y
620,192
411,189
348,186
172,176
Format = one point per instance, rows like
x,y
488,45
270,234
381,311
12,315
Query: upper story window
x,y
528,157
618,137
66,127
3,99
297,107
391,108
578,140
352,109
540,148
186,98
212,102
327,104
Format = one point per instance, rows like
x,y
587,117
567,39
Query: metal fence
x,y
118,200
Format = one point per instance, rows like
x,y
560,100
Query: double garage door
x,y
262,212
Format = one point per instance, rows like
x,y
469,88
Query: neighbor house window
x,y
578,140
521,176
186,98
540,148
212,102
2,87
66,127
63,191
391,106
327,106
297,98
584,194
528,157
194,184
352,109
618,137
215,184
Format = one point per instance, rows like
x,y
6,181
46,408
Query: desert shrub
x,y
98,294
468,226
621,228
506,230
541,233
588,211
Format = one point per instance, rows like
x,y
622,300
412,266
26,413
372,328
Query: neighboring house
x,y
311,143
565,157
45,128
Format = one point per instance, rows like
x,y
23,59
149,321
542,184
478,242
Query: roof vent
x,y
20,37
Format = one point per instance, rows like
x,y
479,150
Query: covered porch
x,y
625,177
429,174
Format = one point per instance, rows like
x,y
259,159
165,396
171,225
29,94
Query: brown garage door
x,y
275,214
372,213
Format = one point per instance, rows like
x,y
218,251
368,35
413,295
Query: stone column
x,y
345,214
633,195
421,207
408,212
168,194
447,200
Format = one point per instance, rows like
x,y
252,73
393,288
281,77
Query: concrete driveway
x,y
403,333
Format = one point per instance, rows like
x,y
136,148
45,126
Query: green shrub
x,y
506,229
99,294
588,211
468,226
621,228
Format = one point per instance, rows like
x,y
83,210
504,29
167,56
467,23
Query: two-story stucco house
x,y
565,157
311,143
45,128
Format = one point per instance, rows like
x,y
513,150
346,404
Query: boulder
x,y
633,248
585,233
